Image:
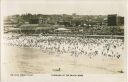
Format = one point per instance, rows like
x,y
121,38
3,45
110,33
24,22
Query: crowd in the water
x,y
73,46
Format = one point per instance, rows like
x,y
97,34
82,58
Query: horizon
x,y
69,14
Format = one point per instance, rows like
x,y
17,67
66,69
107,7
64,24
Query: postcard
x,y
63,40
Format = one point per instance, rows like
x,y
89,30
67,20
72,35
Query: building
x,y
112,20
115,20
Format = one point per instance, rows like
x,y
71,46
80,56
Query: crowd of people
x,y
73,46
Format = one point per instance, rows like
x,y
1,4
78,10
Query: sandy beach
x,y
30,60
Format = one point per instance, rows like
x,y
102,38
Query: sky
x,y
81,7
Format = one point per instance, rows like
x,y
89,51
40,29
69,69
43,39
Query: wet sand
x,y
33,60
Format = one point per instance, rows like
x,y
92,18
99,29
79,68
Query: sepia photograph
x,y
62,38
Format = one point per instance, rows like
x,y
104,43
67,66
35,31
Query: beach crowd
x,y
73,46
